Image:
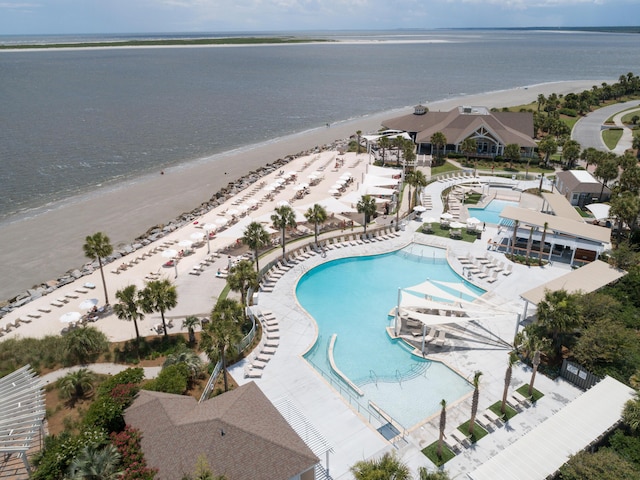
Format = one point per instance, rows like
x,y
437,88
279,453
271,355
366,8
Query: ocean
x,y
73,121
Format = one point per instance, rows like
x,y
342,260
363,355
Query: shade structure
x,y
185,243
221,221
298,187
331,205
473,221
334,191
346,175
446,216
270,188
233,212
170,253
457,225
88,303
420,208
252,201
197,236
599,210
210,227
290,173
429,220
283,203
70,317
340,181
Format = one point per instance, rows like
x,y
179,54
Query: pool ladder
x,y
373,377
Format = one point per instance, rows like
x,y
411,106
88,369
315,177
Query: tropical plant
x,y
535,363
417,180
439,141
128,307
367,206
222,332
97,247
626,208
571,152
256,237
512,153
190,323
386,467
84,344
188,358
316,215
424,474
241,277
542,240
159,296
529,244
469,147
442,426
606,170
96,463
548,147
474,401
385,144
516,224
76,385
559,314
507,381
631,413
283,218
358,135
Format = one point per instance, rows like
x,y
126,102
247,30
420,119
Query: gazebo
x,y
22,412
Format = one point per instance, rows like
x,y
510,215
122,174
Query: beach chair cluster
x,y
456,177
267,347
143,256
199,267
484,267
426,201
248,195
12,324
433,336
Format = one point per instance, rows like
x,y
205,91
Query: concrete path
x,y
588,130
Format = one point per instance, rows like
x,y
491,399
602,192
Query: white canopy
x,y
330,204
373,190
382,171
599,210
375,181
354,197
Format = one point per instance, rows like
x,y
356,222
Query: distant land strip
x,y
169,42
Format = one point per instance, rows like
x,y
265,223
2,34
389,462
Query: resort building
x,y
241,434
581,188
492,131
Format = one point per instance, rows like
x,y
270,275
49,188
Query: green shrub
x,y
172,379
107,413
569,112
130,375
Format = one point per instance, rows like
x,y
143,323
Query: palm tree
x,y
507,381
84,344
256,237
443,426
542,240
515,237
424,474
188,358
358,134
128,306
222,332
98,246
535,363
386,467
398,142
529,243
191,322
420,181
474,401
558,314
512,153
606,170
96,463
317,215
76,385
469,147
283,218
541,101
439,141
631,414
367,206
159,296
241,277
409,179
384,143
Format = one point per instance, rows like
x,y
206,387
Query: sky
x,y
36,17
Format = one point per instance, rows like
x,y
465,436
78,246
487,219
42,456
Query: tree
x,y
358,135
469,147
417,180
606,170
128,307
159,296
84,344
190,323
604,346
222,332
188,358
515,237
439,141
559,314
283,218
386,467
76,385
367,206
636,143
241,277
256,237
541,101
474,401
442,426
529,244
548,146
542,240
97,247
624,256
398,142
507,381
96,463
570,152
631,414
626,208
424,474
316,215
385,144
512,153
604,464
535,364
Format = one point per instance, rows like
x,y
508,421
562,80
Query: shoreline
x,y
47,244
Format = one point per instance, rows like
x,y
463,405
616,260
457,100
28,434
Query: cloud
x,y
18,5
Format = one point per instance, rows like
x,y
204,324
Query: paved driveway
x,y
587,130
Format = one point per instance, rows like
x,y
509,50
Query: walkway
x,y
588,130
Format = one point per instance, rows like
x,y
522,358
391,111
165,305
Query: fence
x,y
578,375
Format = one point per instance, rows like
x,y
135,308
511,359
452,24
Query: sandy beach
x,y
43,247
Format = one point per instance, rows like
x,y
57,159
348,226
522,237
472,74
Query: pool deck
x,y
352,438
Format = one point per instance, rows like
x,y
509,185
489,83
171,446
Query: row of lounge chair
x,y
485,267
149,253
268,344
488,420
457,176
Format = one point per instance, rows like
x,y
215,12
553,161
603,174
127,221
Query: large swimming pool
x,y
352,298
491,212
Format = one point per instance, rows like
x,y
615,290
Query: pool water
x,y
352,298
491,212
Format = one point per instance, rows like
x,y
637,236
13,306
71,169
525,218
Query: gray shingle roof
x,y
242,435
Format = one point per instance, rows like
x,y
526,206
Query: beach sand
x,y
45,246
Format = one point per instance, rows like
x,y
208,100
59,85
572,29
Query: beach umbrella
x,y
340,181
270,188
185,243
473,221
197,236
88,304
171,254
457,225
233,212
243,208
446,216
283,203
312,177
70,317
334,191
221,221
346,176
209,227
252,201
420,208
429,220
298,187
290,173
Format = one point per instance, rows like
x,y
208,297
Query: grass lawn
x,y
431,452
478,431
447,167
582,212
611,136
509,412
438,231
524,391
472,198
628,118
